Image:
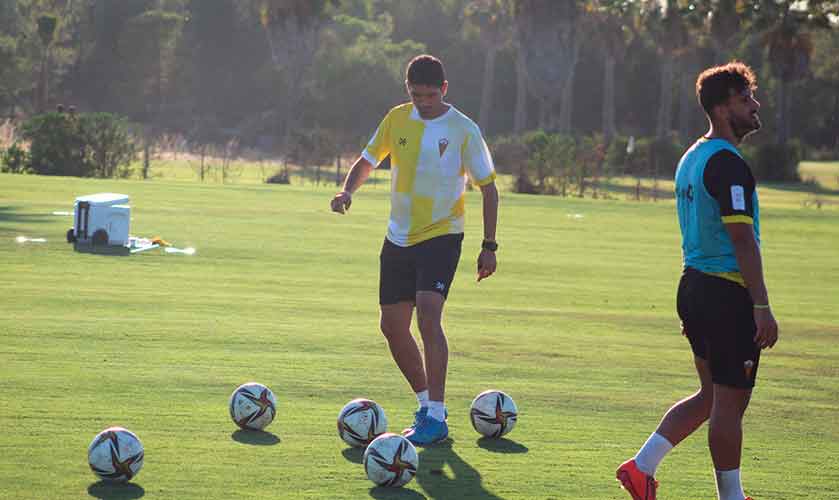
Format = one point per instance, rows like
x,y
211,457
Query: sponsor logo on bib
x,y
738,198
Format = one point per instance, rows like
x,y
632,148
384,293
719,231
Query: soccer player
x,y
432,147
722,298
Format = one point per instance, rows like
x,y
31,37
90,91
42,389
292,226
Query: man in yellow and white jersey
x,y
433,149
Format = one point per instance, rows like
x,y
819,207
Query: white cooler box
x,y
101,219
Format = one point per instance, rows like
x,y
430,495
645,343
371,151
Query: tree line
x,y
282,75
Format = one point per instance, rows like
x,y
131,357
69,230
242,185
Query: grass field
x,y
578,326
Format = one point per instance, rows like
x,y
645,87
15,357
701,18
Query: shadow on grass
x,y
258,438
646,191
9,214
115,491
401,493
501,445
466,480
354,455
802,187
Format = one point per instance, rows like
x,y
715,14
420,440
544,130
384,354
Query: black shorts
x,y
426,266
718,318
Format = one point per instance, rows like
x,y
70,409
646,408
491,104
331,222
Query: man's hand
x,y
486,264
767,328
341,202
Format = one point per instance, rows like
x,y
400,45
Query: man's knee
x,y
393,330
730,403
430,315
705,399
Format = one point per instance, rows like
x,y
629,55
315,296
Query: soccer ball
x,y
361,421
493,413
252,406
391,460
115,454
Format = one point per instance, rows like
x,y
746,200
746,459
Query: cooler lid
x,y
104,199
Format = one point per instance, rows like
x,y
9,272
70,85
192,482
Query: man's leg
x,y
396,327
432,427
688,414
435,345
637,474
725,438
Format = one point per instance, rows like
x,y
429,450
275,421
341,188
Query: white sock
x,y
652,453
437,410
422,398
728,485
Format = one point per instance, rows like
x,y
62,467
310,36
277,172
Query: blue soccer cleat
x,y
427,431
419,415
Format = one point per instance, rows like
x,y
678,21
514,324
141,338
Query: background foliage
x,y
268,74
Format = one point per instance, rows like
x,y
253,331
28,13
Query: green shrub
x,y
657,157
14,160
55,146
616,154
281,177
773,162
84,145
509,153
109,148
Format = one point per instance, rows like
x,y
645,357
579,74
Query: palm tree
x,y
549,34
668,32
292,29
492,21
614,21
47,24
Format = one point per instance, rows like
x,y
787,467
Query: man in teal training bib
x,y
722,298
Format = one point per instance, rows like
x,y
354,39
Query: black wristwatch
x,y
490,245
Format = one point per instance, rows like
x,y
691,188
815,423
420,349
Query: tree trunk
x,y
545,114
43,92
665,106
203,156
609,129
338,170
566,106
486,92
146,155
520,119
782,114
686,99
566,110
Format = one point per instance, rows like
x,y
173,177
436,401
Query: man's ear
x,y
445,87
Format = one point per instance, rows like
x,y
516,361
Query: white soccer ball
x,y
391,460
115,454
493,413
252,406
361,421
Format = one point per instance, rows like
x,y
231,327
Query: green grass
x,y
578,326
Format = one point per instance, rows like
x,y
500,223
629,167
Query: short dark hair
x,y
715,85
426,70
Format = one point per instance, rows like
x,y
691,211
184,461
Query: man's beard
x,y
744,128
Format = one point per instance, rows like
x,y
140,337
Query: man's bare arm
x,y
358,173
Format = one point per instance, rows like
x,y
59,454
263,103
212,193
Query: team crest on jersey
x,y
403,141
442,144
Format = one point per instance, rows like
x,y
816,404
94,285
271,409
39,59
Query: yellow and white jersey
x,y
429,161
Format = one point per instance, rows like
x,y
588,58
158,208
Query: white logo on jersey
x,y
738,198
442,144
440,286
